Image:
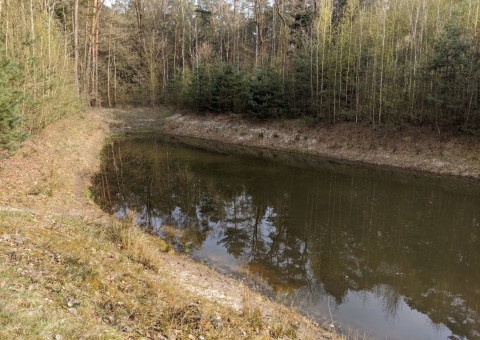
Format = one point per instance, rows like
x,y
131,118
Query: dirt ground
x,y
68,270
413,149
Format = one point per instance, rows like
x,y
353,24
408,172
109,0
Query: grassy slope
x,y
67,270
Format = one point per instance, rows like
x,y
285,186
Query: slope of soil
x,y
416,149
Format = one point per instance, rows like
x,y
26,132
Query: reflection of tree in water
x,y
299,228
240,234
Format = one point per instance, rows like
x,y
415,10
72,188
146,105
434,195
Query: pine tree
x,y
448,65
265,94
226,89
201,89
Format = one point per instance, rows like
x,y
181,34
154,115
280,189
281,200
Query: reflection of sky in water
x,y
363,309
178,218
217,255
387,259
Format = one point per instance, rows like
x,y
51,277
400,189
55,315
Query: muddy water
x,y
389,255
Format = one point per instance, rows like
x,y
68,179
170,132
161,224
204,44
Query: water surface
x,y
390,255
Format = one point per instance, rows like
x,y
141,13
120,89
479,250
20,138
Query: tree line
x,y
395,62
371,61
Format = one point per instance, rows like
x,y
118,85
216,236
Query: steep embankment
x,y
417,149
68,270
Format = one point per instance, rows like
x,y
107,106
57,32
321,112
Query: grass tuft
x,y
138,245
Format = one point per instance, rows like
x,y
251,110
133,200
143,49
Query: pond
x,y
390,255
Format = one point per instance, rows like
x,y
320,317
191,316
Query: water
x,y
389,255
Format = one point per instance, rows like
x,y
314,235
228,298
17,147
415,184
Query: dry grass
x,y
67,270
138,245
65,278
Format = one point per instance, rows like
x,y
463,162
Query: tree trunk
x,y
75,44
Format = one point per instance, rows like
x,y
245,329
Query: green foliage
x,y
265,94
204,14
201,89
216,88
179,89
220,88
301,95
10,99
227,87
449,67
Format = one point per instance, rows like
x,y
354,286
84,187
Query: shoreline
x,y
457,157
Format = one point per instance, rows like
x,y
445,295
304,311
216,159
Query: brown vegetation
x,y
413,148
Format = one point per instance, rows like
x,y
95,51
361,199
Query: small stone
x,y
73,303
58,337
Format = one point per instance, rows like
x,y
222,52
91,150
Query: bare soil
x,y
412,149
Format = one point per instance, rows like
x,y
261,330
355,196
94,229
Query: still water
x,y
389,255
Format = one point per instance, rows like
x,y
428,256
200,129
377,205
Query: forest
x,y
393,63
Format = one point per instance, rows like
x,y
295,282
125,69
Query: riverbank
x,y
413,149
69,270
